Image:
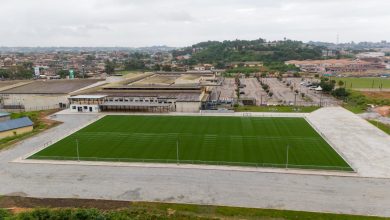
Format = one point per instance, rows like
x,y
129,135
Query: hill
x,y
216,52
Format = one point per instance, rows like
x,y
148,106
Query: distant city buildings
x,y
336,65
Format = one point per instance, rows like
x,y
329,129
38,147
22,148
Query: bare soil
x,y
377,95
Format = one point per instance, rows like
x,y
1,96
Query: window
x,y
73,107
85,107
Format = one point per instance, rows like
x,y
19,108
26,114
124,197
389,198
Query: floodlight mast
x,y
177,151
77,149
288,146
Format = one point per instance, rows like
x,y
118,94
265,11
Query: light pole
x,y
177,151
261,100
288,146
77,149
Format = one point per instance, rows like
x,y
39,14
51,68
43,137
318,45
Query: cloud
x,y
183,22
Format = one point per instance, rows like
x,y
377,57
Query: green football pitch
x,y
239,141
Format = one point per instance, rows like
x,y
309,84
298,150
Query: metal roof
x,y
87,96
15,123
4,114
51,86
139,104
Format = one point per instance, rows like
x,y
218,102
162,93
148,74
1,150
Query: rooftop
x,y
15,123
88,96
189,96
51,86
3,114
327,62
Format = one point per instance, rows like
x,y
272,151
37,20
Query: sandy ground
x,y
323,193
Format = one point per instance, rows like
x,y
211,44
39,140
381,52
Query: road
x,y
350,195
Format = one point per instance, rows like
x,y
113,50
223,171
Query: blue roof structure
x,y
15,123
4,114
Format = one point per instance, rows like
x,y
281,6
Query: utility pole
x,y
77,149
83,71
295,99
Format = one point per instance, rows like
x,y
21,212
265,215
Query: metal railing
x,y
195,162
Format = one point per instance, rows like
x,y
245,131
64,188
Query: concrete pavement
x,y
362,145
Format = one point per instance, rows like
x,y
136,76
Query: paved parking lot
x,y
227,90
351,195
283,93
318,98
253,89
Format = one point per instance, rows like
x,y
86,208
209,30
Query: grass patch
x,y
125,72
355,108
364,83
380,125
357,102
154,210
276,108
242,141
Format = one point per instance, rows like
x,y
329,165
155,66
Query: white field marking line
x,y
236,114
198,167
331,144
47,144
205,137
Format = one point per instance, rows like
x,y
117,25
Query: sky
x,y
136,23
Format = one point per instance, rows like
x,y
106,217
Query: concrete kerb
x,y
330,143
192,166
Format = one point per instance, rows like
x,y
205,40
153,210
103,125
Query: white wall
x,y
34,102
188,106
84,108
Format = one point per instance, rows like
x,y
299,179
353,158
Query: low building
x,y
246,64
5,116
15,127
43,95
154,93
335,65
86,103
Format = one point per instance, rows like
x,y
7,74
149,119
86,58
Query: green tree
x,y
340,93
326,85
167,68
110,67
63,73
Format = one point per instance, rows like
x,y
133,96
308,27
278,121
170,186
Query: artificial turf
x,y
245,141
